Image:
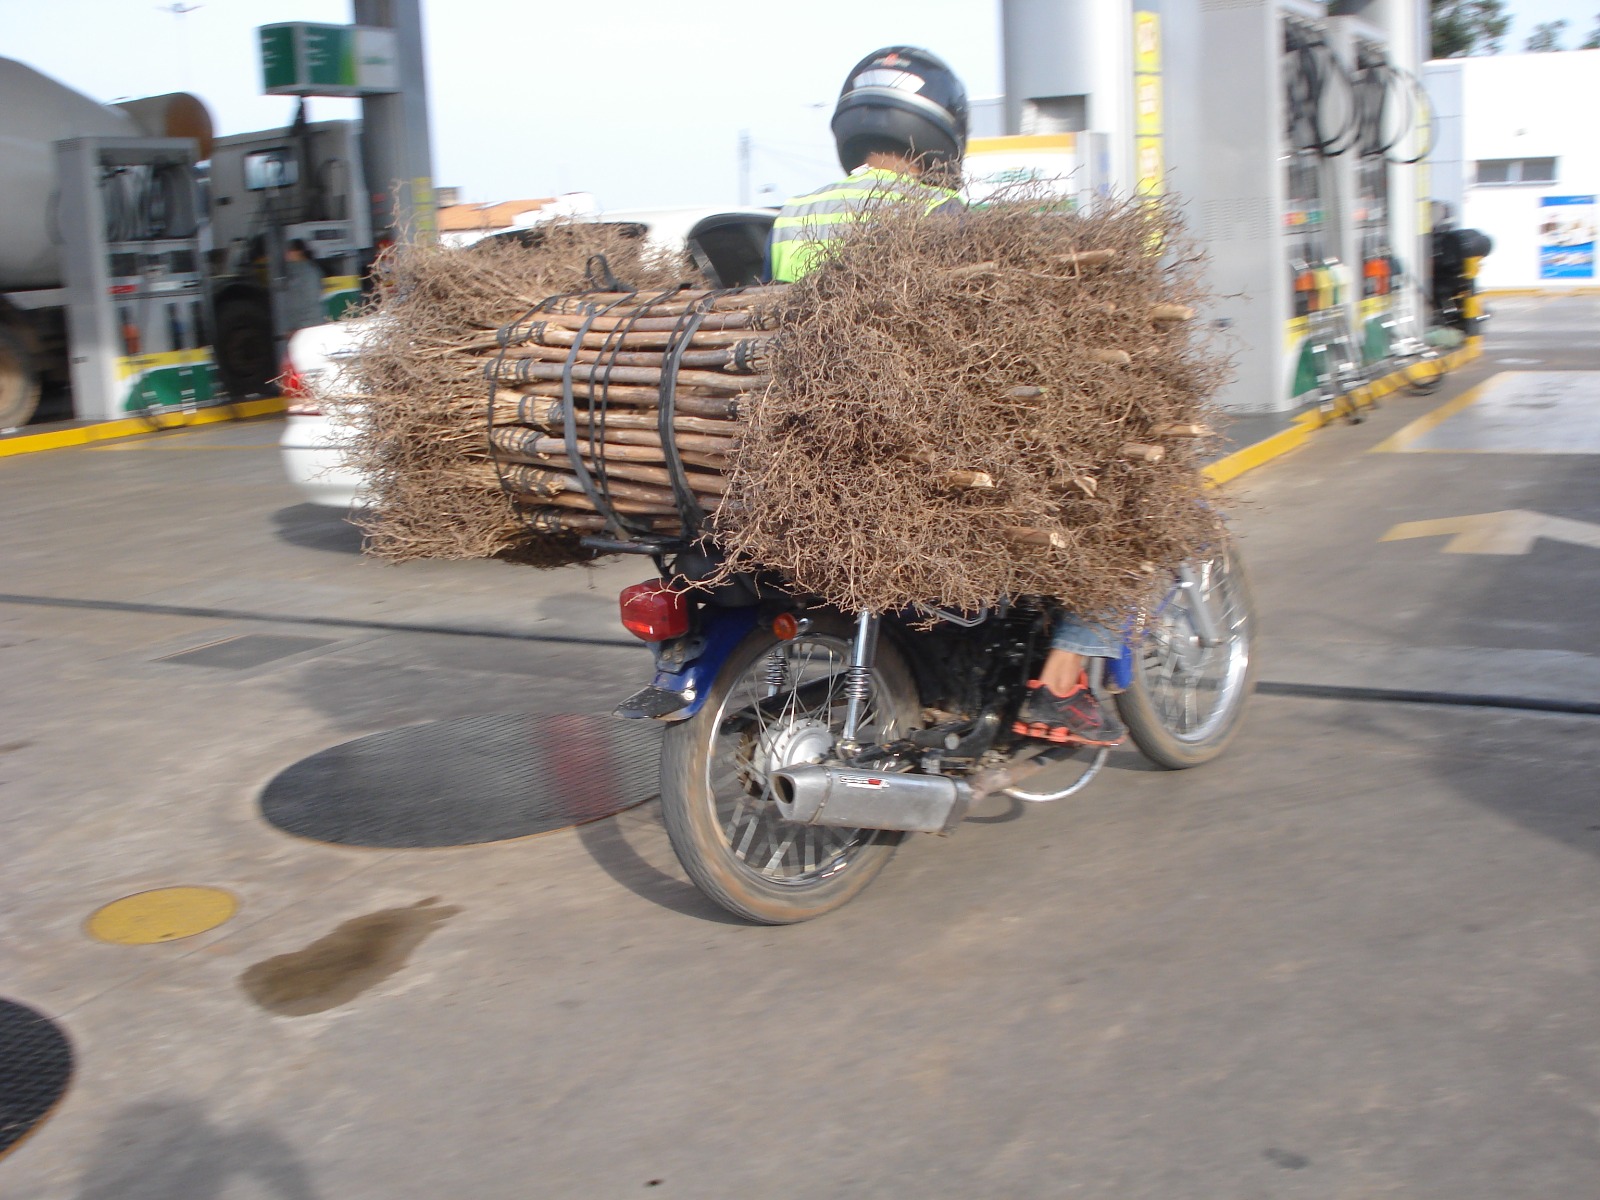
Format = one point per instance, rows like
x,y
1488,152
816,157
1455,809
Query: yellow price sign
x,y
1147,105
1150,166
1147,43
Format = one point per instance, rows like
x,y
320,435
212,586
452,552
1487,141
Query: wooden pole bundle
x,y
509,447
526,370
619,452
548,414
723,408
618,443
745,357
601,363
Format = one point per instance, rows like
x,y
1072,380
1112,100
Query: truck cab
x,y
268,189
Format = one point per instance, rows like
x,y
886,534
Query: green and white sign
x,y
299,58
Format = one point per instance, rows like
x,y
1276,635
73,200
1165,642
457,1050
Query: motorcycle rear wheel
x,y
1187,701
776,703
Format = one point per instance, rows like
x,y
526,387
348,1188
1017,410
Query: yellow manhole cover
x,y
162,915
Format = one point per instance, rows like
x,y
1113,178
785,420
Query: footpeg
x,y
651,701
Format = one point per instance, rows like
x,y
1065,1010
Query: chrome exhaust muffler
x,y
857,799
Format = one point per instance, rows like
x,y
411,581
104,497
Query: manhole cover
x,y
162,915
470,780
35,1066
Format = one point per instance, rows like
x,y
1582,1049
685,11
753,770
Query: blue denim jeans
x,y
1078,635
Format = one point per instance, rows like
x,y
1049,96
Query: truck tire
x,y
246,352
19,381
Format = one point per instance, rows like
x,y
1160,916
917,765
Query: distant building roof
x,y
464,218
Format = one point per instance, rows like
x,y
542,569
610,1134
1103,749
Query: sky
x,y
640,103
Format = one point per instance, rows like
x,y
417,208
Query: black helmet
x,y
904,101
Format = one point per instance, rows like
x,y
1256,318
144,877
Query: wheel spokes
x,y
1190,685
762,727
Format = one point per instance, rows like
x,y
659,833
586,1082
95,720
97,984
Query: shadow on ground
x,y
317,527
163,1150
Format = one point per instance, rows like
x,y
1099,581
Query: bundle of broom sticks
x,y
620,357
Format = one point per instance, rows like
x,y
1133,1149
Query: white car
x,y
314,443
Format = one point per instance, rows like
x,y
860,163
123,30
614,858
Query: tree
x,y
1546,37
1592,42
1462,27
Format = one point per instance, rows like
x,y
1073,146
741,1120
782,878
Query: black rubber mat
x,y
466,781
35,1067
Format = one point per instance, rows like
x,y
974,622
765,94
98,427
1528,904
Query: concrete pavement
x,y
1357,957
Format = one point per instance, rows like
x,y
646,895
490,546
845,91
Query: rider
x,y
900,126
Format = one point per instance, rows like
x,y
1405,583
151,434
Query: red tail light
x,y
292,387
653,612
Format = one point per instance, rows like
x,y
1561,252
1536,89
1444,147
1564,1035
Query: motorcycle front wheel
x,y
1187,700
774,704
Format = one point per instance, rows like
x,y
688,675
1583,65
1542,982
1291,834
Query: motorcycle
x,y
802,743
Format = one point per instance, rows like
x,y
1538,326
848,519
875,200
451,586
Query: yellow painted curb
x,y
162,915
105,431
1582,290
1248,458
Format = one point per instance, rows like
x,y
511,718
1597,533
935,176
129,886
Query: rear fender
x,y
687,666
1119,670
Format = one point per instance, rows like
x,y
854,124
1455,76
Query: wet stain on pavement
x,y
335,969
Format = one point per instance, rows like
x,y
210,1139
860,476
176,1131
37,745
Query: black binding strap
x,y
598,494
689,510
596,484
520,332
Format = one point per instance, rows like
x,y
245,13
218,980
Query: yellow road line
x,y
164,444
83,435
1428,422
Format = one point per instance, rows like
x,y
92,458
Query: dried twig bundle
x,y
1045,354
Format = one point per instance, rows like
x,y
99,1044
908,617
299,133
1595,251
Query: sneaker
x,y
1076,717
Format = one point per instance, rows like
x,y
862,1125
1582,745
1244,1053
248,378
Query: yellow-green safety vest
x,y
807,223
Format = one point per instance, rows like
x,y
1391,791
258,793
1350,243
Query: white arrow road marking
x,y
1513,531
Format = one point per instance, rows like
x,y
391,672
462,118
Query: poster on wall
x,y
1566,237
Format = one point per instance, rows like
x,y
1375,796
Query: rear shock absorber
x,y
776,675
858,680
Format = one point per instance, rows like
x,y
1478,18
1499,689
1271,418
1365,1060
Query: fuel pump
x,y
1320,126
1284,130
1351,119
1394,132
135,282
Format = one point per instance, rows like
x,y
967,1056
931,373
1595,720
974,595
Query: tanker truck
x,y
141,259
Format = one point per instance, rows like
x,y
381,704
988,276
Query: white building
x,y
1519,158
